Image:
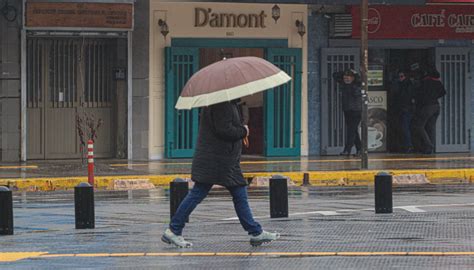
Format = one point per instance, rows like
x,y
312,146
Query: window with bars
x,y
69,72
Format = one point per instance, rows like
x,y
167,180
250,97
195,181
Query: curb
x,y
317,178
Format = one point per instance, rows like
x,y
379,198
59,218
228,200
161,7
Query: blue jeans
x,y
199,192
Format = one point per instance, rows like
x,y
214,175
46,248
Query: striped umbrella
x,y
230,79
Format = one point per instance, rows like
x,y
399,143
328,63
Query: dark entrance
x,y
413,62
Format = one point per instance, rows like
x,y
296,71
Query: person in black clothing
x,y
404,94
427,111
216,161
352,106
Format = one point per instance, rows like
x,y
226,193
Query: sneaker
x,y
170,238
264,237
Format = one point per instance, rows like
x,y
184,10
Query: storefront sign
x,y
377,122
207,17
417,22
91,15
451,1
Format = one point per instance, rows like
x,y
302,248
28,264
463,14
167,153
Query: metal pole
x,y
178,190
23,106
383,193
278,197
84,206
364,62
306,180
130,96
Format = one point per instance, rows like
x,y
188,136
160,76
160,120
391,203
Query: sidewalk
x,y
323,171
430,228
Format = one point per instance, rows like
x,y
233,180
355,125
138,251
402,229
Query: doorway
x,y
66,78
253,106
280,116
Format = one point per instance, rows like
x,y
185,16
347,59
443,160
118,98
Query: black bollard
x,y
278,197
6,211
383,193
178,191
306,180
84,206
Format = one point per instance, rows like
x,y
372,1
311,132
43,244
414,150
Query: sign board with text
x,y
377,121
75,15
450,1
417,22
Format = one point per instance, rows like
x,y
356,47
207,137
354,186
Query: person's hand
x,y
248,131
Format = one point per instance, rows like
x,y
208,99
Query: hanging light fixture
x,y
163,27
276,13
301,27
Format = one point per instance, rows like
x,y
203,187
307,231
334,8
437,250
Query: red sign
x,y
451,1
417,22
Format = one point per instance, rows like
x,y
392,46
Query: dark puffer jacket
x,y
217,155
429,91
351,93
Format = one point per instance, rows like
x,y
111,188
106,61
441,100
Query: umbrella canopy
x,y
230,79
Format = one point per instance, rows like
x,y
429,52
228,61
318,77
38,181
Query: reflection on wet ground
x,y
249,164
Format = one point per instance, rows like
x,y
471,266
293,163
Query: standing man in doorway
x,y
352,106
404,94
427,111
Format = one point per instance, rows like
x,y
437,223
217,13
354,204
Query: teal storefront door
x,y
282,105
181,126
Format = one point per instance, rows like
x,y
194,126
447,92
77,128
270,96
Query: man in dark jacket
x,y
404,94
217,162
427,111
352,107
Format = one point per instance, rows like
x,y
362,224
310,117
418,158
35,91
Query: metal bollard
x,y
6,211
178,191
84,206
306,180
278,197
90,162
383,193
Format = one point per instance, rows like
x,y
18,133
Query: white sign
x,y
377,121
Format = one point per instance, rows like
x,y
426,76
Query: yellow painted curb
x,y
317,178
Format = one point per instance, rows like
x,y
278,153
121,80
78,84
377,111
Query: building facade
x,y
127,61
198,34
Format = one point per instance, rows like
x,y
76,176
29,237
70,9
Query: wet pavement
x,y
434,218
250,164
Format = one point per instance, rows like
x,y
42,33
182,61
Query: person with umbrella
x,y
216,160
